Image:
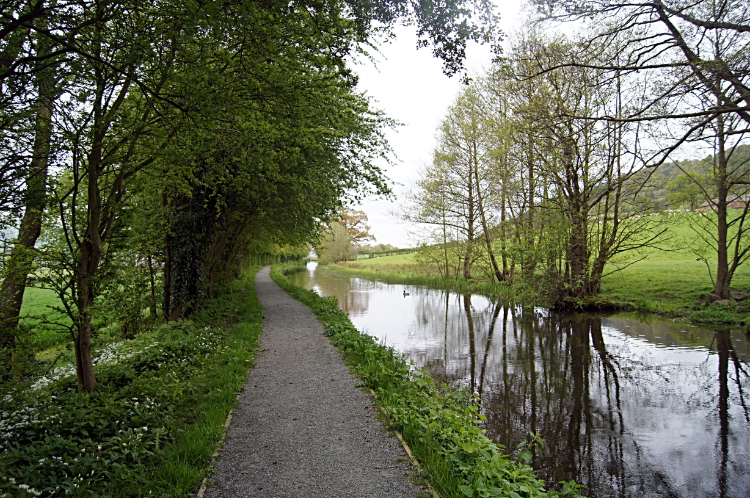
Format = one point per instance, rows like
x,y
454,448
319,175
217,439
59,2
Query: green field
x,y
36,310
668,280
398,259
671,278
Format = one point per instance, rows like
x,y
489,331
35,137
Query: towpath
x,y
301,427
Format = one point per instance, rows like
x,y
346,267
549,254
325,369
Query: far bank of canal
x,y
628,408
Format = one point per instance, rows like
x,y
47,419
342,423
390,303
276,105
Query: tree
x,y
719,214
455,193
671,38
344,237
355,223
524,149
19,262
583,166
696,58
336,245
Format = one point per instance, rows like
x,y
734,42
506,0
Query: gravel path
x,y
302,428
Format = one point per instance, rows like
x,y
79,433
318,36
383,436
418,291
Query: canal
x,y
628,406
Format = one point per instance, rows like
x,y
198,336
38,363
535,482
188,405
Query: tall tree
x,y
355,223
583,162
658,36
238,110
18,263
695,55
343,238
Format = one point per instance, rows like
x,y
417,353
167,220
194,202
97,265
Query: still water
x,y
628,408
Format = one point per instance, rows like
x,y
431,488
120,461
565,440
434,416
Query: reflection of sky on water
x,y
669,410
627,407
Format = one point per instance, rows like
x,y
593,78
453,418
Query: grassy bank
x,y
404,269
669,281
156,419
441,426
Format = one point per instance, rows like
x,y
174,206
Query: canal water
x,y
628,406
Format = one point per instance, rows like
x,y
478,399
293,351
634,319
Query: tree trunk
x,y
504,229
19,263
91,246
167,302
488,242
152,280
530,261
85,273
468,255
723,276
577,255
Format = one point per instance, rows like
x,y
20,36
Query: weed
x,y
713,314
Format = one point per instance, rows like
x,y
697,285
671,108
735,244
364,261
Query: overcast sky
x,y
409,85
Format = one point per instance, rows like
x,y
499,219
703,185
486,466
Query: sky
x,y
410,87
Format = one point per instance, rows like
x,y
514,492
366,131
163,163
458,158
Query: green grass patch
x,y
154,423
442,426
396,259
37,311
713,314
673,281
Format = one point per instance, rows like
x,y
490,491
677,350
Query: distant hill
x,y
668,184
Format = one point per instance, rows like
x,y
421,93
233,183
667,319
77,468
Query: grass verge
x,y
443,427
154,423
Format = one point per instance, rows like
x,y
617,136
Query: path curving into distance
x,y
301,427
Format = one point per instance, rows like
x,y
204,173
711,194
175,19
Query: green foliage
x,y
440,424
191,232
336,245
129,297
212,132
690,183
713,314
153,424
294,267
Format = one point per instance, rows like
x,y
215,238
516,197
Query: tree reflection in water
x,y
620,422
625,407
